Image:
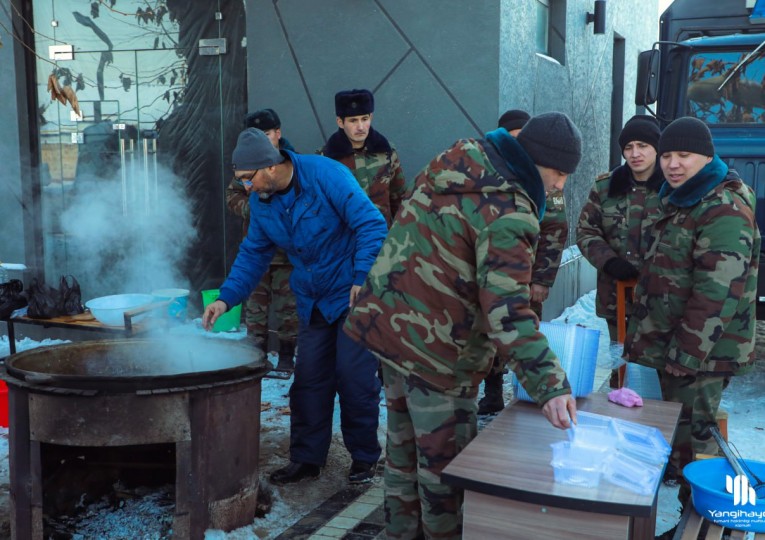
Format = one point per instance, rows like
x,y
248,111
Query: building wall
x,y
433,71
443,70
582,87
440,70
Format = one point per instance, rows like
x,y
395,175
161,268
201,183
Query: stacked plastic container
x,y
622,453
577,349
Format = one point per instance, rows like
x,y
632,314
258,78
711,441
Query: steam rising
x,y
128,235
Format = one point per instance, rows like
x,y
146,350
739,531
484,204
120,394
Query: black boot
x,y
286,357
492,400
295,472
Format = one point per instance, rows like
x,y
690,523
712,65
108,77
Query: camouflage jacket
x,y
376,167
450,286
553,231
616,221
695,300
238,203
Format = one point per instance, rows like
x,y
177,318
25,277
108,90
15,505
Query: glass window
x,y
134,144
543,25
723,90
551,29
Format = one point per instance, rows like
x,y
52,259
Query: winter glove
x,y
620,269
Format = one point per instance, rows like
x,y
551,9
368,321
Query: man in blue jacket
x,y
313,208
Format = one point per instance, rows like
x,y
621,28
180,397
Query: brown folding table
x,y
510,491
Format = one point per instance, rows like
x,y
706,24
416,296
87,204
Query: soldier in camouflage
x,y
613,230
694,314
449,291
274,289
553,231
366,152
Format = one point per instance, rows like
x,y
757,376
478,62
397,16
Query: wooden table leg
x,y
644,528
622,289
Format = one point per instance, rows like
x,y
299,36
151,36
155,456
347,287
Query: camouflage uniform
x,y
376,167
553,231
695,300
616,222
274,287
449,289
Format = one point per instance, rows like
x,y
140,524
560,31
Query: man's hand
x,y
559,409
539,293
674,371
212,312
354,294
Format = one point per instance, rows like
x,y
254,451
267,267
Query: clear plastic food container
x,y
576,465
632,474
591,431
645,443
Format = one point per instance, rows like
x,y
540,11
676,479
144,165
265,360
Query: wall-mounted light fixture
x,y
599,17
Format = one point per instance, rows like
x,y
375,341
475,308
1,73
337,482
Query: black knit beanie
x,y
354,103
640,127
687,134
254,151
513,119
552,140
264,119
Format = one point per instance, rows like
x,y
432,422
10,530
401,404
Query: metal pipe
x,y
146,183
124,177
733,460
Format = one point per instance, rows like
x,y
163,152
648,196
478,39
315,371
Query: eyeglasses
x,y
244,181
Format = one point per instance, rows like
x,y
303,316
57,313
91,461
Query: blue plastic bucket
x,y
178,308
724,498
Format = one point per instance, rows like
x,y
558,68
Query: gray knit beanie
x,y
552,140
254,151
687,134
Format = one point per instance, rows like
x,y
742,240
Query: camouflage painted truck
x,y
710,64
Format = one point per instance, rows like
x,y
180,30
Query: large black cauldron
x,y
200,397
134,364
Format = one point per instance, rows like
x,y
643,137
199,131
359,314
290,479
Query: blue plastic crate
x,y
577,349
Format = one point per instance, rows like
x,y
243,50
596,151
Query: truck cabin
x,y
720,80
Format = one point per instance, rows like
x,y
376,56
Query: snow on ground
x,y
743,400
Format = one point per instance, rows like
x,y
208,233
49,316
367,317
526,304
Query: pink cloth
x,y
626,397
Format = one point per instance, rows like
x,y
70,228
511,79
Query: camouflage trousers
x,y
426,430
613,330
273,290
700,397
